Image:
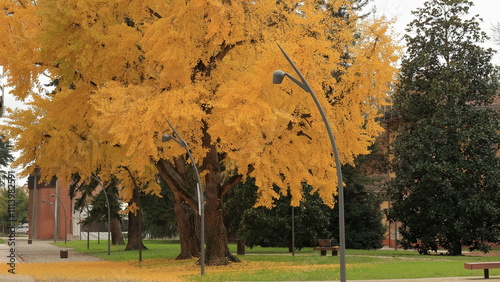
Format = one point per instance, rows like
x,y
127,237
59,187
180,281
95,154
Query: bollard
x,y
63,254
241,247
30,241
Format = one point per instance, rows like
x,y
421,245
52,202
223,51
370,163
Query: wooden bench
x,y
326,245
482,265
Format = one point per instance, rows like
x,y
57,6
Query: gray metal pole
x,y
293,230
304,85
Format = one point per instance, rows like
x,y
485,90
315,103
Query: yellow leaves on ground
x,y
168,270
148,270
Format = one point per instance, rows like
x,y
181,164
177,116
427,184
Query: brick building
x,y
50,209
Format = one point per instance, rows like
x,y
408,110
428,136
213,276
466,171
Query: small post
x,y
240,247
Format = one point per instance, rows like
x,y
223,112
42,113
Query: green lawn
x,y
278,264
166,249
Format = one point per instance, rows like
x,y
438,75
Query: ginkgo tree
x,y
120,68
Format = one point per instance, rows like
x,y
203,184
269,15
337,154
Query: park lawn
x,y
361,265
265,264
157,249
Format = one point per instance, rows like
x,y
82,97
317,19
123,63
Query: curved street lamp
x,y
64,210
178,139
278,77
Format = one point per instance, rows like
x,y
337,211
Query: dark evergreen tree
x,y
241,198
21,206
158,214
83,191
313,220
446,192
273,227
363,220
5,152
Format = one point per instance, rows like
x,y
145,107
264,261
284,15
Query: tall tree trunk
x,y
188,227
455,248
134,224
116,232
217,250
182,181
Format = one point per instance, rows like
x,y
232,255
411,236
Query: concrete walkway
x,y
41,251
37,252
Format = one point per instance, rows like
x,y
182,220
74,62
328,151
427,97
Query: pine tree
x,y
6,156
447,184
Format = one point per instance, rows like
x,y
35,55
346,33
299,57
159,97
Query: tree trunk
x,y
455,248
116,232
134,224
188,227
182,181
217,251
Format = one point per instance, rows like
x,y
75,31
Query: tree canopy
x,y
122,67
119,68
446,189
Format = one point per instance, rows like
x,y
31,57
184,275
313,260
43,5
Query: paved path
x,y
41,251
36,252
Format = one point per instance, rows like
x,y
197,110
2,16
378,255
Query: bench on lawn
x,y
482,265
326,245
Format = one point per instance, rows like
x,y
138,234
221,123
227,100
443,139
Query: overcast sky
x,y
488,10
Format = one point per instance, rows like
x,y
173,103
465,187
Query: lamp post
x,y
54,214
64,210
109,210
178,139
278,77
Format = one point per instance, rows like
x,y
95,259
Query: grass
x,y
157,249
265,264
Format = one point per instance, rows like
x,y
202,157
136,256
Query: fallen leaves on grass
x,y
107,271
149,270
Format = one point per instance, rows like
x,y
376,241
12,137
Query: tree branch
x,y
230,184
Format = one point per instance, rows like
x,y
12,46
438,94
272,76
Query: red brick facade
x,y
50,213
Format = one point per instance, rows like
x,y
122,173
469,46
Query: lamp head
x,y
166,137
278,76
53,195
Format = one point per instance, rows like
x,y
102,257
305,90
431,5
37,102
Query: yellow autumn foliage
x,y
122,67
